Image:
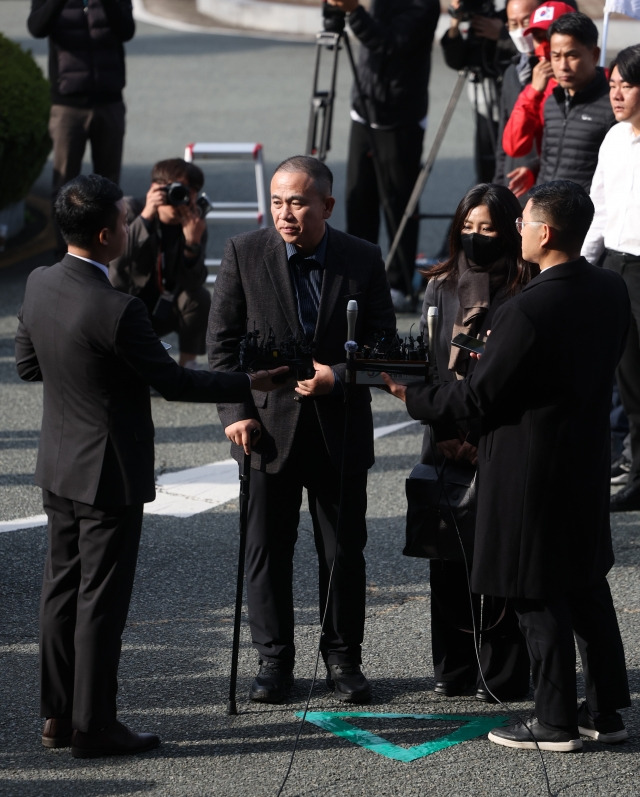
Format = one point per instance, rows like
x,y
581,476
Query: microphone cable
x,y
440,470
342,491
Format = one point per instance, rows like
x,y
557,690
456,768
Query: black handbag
x,y
441,511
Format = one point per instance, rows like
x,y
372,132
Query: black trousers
x,y
549,627
628,372
504,663
188,315
86,589
398,153
272,531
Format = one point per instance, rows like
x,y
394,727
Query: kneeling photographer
x,y
164,261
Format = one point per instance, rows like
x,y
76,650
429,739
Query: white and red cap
x,y
545,15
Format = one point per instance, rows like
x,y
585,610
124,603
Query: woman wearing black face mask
x,y
484,270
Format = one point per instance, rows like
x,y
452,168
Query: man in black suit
x,y
541,389
94,349
295,281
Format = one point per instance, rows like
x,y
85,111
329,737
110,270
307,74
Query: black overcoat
x,y
543,393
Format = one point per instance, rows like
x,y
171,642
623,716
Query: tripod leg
x,y
245,475
428,166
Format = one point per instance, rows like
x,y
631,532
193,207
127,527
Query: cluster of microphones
x,y
406,359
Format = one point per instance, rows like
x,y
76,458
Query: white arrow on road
x,y
188,492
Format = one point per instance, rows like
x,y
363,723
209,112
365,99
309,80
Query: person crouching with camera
x,y
164,261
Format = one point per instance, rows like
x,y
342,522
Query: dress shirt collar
x,y
318,256
101,266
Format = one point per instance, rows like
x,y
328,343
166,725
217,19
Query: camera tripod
x,y
331,40
425,172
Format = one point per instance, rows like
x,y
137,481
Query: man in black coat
x,y
295,281
389,115
541,390
95,352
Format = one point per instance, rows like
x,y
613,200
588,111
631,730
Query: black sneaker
x,y
349,683
524,736
607,728
273,682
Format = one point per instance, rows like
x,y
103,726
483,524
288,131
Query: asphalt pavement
x,y
184,87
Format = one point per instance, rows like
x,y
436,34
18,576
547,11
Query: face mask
x,y
524,44
482,250
543,50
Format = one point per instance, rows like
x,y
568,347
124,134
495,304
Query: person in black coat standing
x,y
483,271
539,392
389,105
96,353
87,74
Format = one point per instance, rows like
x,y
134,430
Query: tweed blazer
x,y
254,290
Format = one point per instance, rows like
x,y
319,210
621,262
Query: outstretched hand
x,y
395,388
268,380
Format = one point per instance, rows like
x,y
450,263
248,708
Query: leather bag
x,y
441,511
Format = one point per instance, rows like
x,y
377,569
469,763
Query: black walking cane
x,y
245,473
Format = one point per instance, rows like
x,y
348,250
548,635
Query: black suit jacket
x,y
254,290
543,392
95,351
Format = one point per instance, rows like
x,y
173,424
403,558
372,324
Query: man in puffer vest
x,y
87,74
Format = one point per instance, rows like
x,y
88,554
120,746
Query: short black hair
x,y
319,172
84,206
578,25
567,208
174,169
628,63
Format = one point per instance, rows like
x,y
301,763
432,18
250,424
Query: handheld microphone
x,y
432,327
351,346
352,317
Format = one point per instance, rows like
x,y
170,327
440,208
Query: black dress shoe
x,y
626,500
115,739
273,682
349,683
451,688
56,732
482,693
531,735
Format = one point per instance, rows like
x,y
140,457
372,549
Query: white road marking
x,y
191,491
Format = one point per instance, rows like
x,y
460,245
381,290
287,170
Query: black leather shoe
x,y
532,735
625,500
482,693
115,739
349,683
273,682
450,688
56,732
485,695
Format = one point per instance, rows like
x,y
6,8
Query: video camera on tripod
x,y
467,9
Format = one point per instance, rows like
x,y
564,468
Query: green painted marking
x,y
332,721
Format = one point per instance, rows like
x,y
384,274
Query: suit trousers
x,y
398,153
272,530
86,589
504,663
549,627
628,372
70,128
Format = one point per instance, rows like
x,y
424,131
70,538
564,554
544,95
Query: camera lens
x,y
177,194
